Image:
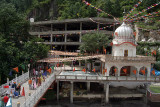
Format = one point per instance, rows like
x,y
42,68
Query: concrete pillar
x,y
88,86
79,63
137,73
39,35
85,63
106,93
80,35
72,65
71,92
51,38
65,39
148,72
108,69
102,64
119,71
57,90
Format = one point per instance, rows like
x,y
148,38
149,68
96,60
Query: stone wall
x,y
147,35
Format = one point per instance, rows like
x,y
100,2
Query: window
x,y
125,53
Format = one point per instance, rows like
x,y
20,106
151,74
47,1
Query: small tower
x,y
124,43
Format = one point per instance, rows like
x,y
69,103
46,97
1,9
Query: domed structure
x,y
124,30
124,33
124,43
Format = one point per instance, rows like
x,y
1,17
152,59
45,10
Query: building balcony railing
x,y
68,32
136,58
105,78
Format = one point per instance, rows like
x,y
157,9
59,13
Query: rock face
x,y
146,35
44,12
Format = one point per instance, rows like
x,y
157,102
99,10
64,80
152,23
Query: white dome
x,y
124,30
123,34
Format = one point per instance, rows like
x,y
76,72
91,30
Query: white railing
x,y
106,78
33,99
21,79
129,58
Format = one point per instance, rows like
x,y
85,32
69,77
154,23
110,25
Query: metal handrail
x,y
20,79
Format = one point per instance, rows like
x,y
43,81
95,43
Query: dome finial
x,y
124,15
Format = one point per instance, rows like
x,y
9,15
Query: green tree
x,y
92,42
17,47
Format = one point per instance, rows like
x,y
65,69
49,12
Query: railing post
x,y
16,78
23,76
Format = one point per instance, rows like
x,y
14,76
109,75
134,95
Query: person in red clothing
x,y
5,99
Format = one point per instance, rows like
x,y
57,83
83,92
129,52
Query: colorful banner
x,y
89,4
154,14
135,6
144,10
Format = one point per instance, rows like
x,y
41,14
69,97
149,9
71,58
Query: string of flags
x,y
144,10
135,6
145,16
100,10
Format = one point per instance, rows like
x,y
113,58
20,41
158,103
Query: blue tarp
x,y
157,73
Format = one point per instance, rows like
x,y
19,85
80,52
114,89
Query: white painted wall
x,y
119,50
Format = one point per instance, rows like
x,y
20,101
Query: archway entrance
x,y
128,71
143,71
113,71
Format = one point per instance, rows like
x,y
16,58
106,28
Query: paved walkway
x,y
22,99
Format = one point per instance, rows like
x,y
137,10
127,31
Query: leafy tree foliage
x,y
92,42
17,47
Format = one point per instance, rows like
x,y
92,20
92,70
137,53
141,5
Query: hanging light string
x,y
144,10
135,6
100,10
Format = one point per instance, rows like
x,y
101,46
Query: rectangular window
x,y
125,53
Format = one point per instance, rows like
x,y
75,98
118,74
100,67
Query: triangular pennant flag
x,y
125,70
154,52
49,70
58,65
105,51
153,72
9,103
23,92
105,70
115,70
16,69
73,69
84,70
116,33
134,71
134,33
94,70
143,72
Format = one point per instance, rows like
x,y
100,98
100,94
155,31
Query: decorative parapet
x,y
138,58
106,78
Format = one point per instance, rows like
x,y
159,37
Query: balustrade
x,y
21,79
